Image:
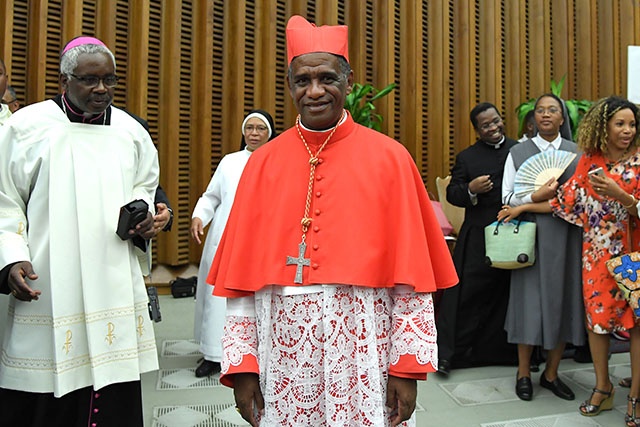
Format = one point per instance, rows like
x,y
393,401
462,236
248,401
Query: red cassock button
x,y
316,229
319,177
317,211
315,266
318,194
315,247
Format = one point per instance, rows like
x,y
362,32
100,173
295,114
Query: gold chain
x,y
313,162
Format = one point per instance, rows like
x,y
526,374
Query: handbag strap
x,y
501,222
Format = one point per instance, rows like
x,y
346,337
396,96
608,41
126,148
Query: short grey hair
x,y
343,68
69,60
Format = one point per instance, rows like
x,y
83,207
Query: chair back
x,y
455,214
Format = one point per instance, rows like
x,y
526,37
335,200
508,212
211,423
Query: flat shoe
x,y
558,388
625,382
524,388
207,368
444,367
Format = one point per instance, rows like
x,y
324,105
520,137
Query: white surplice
x,y
214,206
61,188
5,113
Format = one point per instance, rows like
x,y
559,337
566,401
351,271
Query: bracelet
x,y
632,204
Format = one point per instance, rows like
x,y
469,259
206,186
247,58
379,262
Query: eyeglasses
x,y
8,102
550,110
94,81
259,128
492,123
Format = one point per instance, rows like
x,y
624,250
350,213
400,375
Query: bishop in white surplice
x,y
61,188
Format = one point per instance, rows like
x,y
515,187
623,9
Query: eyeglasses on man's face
x,y
550,110
94,81
2,101
259,128
492,123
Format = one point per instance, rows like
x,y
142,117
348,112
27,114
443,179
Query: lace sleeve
x,y
413,340
240,339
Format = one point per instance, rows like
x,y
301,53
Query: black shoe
x,y
558,388
207,368
524,388
444,367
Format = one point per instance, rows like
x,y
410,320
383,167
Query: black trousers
x,y
470,316
116,405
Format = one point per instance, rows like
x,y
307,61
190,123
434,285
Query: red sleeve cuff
x,y
408,367
249,365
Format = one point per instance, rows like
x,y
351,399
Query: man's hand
x,y
249,400
144,228
196,229
161,218
18,285
481,184
401,398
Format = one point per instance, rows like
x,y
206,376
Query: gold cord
x,y
313,162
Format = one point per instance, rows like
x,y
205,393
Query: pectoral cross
x,y
301,261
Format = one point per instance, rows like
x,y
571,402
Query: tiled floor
x,y
478,397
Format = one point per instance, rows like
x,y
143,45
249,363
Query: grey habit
x,y
545,300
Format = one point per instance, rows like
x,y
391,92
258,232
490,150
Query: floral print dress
x,y
604,223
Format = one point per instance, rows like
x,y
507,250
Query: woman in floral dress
x,y
603,205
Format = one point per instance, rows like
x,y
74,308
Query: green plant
x,y
362,109
575,108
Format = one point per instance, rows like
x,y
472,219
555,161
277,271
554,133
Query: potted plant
x,y
575,108
362,110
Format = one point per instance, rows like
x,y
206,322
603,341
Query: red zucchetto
x,y
304,37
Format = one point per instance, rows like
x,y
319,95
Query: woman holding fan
x,y
545,304
601,198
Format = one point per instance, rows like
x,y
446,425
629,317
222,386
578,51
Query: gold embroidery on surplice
x,y
110,335
140,327
67,344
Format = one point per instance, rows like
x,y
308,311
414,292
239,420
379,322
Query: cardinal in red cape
x,y
328,261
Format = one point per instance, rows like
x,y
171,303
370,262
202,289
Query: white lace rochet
x,y
324,357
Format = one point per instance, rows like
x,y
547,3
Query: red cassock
x,y
372,221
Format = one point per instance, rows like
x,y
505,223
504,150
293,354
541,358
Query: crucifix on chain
x,y
300,262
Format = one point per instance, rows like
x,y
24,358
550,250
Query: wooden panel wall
x,y
194,68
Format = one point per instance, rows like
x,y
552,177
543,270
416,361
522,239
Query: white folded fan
x,y
540,168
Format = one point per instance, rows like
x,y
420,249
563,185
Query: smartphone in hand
x,y
597,172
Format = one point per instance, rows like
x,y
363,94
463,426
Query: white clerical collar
x,y
498,144
342,120
545,145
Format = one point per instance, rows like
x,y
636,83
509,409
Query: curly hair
x,y
592,134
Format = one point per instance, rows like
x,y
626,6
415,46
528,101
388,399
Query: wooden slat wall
x,y
194,68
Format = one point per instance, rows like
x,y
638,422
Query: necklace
x,y
64,109
301,261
